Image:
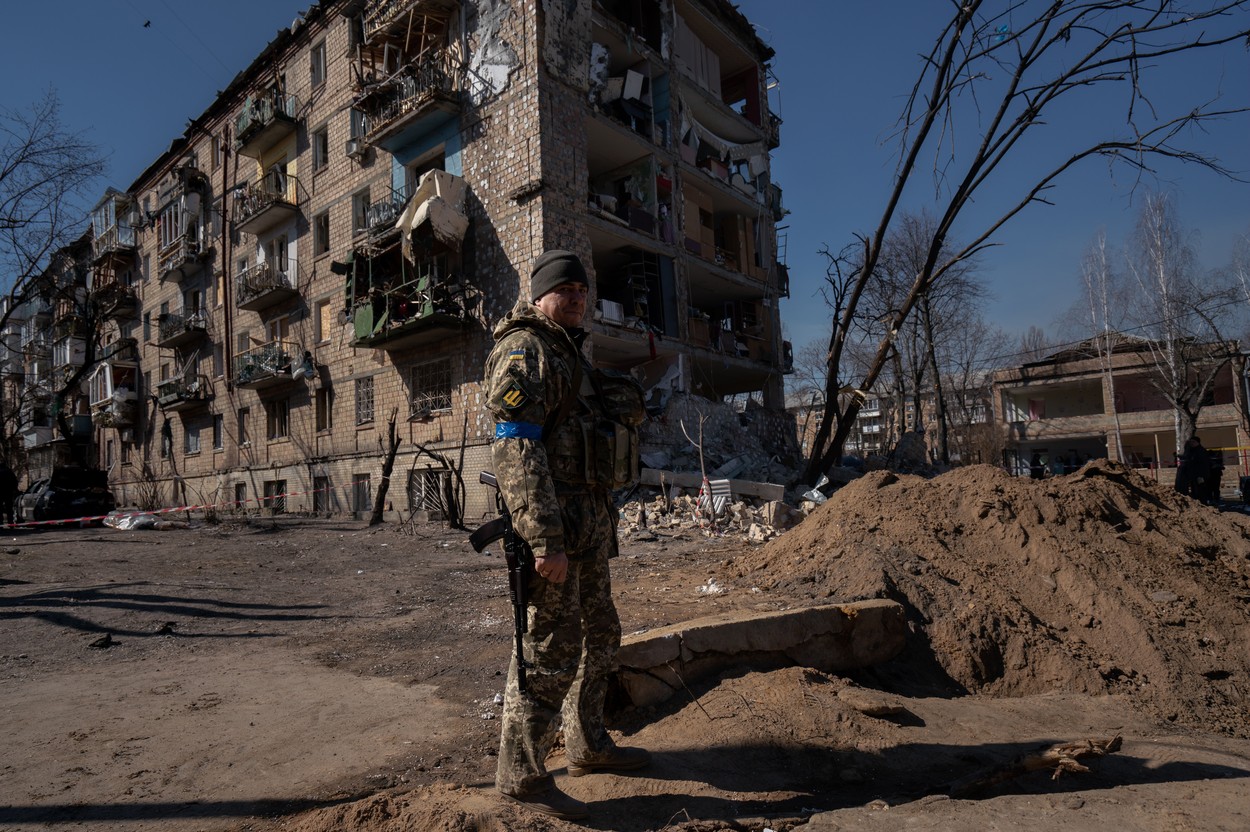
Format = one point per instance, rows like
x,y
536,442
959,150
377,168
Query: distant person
x,y
8,492
1216,466
1037,470
1193,469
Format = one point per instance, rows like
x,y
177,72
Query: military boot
x,y
613,759
552,802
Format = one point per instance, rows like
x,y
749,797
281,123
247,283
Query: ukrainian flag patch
x,y
516,355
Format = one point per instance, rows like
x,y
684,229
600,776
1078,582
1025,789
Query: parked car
x,y
70,492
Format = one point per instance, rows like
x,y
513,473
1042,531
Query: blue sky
x,y
843,70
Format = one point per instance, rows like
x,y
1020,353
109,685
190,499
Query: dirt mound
x,y
1097,582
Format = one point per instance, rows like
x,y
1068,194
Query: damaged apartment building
x,y
327,247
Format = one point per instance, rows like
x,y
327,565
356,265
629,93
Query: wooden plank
x,y
692,479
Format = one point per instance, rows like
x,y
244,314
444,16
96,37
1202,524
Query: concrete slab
x,y
833,637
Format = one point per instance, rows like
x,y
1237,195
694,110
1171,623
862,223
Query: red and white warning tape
x,y
171,510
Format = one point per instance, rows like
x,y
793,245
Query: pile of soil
x,y
1101,581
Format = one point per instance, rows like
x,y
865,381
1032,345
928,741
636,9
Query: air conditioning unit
x,y
355,149
611,312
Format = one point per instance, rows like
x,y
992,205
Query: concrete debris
x,y
681,512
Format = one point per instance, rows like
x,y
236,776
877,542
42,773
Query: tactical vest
x,y
596,442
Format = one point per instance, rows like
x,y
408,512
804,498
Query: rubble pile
x,y
680,512
733,445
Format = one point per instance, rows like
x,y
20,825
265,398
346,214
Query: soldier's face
x,y
565,304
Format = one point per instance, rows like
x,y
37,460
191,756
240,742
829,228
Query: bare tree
x,y
388,467
1034,345
986,84
45,171
1096,272
912,373
1181,314
971,350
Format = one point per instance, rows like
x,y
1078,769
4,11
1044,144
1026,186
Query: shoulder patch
x,y
516,355
513,396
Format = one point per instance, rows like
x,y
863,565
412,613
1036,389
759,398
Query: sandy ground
x,y
309,675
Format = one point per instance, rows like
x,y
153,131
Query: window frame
x,y
364,401
321,233
318,67
277,419
425,376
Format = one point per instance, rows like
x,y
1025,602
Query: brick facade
x,y
228,410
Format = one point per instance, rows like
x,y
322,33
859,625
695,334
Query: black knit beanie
x,y
553,268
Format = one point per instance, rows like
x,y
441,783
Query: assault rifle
x,y
520,566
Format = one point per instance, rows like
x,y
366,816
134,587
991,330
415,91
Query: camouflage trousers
x,y
574,634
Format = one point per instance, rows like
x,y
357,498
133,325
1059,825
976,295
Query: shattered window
x,y
431,387
364,400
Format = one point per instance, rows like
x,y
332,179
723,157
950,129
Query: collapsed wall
x,y
1099,582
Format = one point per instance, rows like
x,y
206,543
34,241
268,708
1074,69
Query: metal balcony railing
x,y
186,249
116,239
182,390
380,216
271,361
275,188
172,325
381,15
434,75
259,279
260,111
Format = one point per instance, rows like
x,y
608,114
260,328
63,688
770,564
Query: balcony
x,y
259,206
114,394
112,226
265,120
265,366
175,329
116,300
115,241
68,354
381,216
385,13
421,311
35,435
418,97
186,393
181,258
264,284
122,349
37,346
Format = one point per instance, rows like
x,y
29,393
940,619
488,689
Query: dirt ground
x,y
305,675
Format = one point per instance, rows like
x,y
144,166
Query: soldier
x,y
544,400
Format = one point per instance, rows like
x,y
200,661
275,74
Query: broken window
x,y
431,388
364,400
426,489
321,148
321,233
275,496
278,418
191,439
324,408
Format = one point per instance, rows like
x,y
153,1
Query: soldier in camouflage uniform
x,y
535,386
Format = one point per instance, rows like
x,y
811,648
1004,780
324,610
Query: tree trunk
x,y
939,397
388,465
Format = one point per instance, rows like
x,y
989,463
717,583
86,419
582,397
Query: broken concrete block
x,y
779,515
829,638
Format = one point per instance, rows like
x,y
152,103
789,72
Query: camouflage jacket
x,y
555,503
